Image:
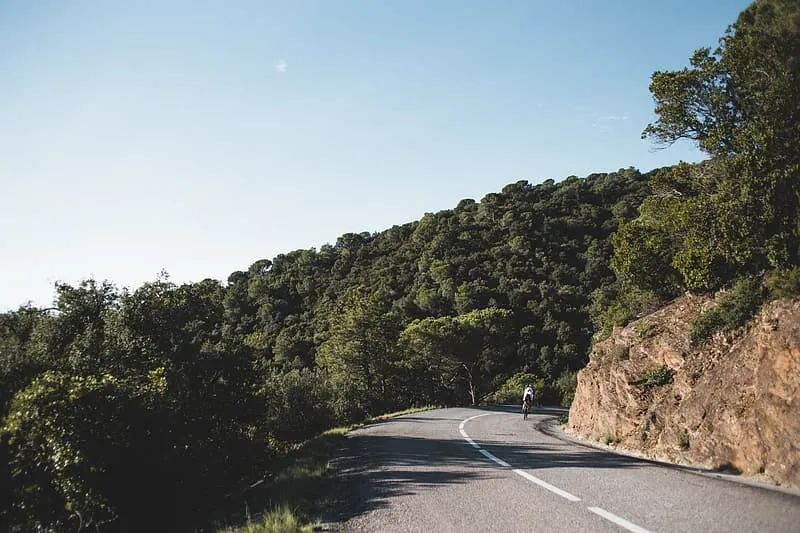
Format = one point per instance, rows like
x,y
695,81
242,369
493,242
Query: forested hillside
x,y
537,251
117,400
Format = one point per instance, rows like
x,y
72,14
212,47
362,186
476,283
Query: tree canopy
x,y
736,214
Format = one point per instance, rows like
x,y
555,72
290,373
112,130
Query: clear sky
x,y
198,137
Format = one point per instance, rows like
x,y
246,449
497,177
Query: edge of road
x,y
551,427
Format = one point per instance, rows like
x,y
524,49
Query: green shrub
x,y
94,451
566,385
297,405
73,450
645,330
511,391
618,304
657,377
783,283
733,310
608,439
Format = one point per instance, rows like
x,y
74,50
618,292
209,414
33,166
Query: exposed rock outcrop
x,y
732,403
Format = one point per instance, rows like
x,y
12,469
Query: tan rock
x,y
734,403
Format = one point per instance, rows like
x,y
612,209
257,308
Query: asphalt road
x,y
488,470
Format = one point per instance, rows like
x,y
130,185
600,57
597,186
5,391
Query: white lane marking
x,y
464,433
548,486
542,483
461,425
493,458
630,526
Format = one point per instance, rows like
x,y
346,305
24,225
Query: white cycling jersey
x,y
528,392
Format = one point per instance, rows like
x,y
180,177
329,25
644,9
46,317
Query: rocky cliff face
x,y
732,403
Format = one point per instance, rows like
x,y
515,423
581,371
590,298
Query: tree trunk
x,y
471,385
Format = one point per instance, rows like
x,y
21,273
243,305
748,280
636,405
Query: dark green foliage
x,y
456,356
614,306
361,355
734,308
72,439
658,377
566,385
737,214
123,402
783,283
297,405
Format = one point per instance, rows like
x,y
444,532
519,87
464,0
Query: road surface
x,y
488,470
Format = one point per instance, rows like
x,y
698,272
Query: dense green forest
x,y
190,389
171,399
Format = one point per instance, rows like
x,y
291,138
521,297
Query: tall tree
x,y
468,348
361,350
739,212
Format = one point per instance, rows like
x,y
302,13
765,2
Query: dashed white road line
x,y
630,526
546,485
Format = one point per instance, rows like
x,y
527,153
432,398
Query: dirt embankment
x,y
732,403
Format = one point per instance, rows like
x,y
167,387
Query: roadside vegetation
x,y
302,484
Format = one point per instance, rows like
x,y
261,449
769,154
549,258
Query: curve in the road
x,y
630,526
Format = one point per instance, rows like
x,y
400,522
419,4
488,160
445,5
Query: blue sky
x,y
198,137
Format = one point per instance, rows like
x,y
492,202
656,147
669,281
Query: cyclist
x,y
528,395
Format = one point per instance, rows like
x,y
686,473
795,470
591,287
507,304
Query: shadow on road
x,y
375,468
387,462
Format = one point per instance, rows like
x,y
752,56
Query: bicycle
x,y
526,407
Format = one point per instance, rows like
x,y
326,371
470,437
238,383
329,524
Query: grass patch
x,y
389,416
280,520
608,439
303,482
734,309
658,377
646,330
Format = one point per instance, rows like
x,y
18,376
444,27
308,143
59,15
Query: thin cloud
x,y
616,117
281,66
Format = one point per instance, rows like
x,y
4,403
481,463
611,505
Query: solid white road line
x,y
464,433
630,526
463,422
493,458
